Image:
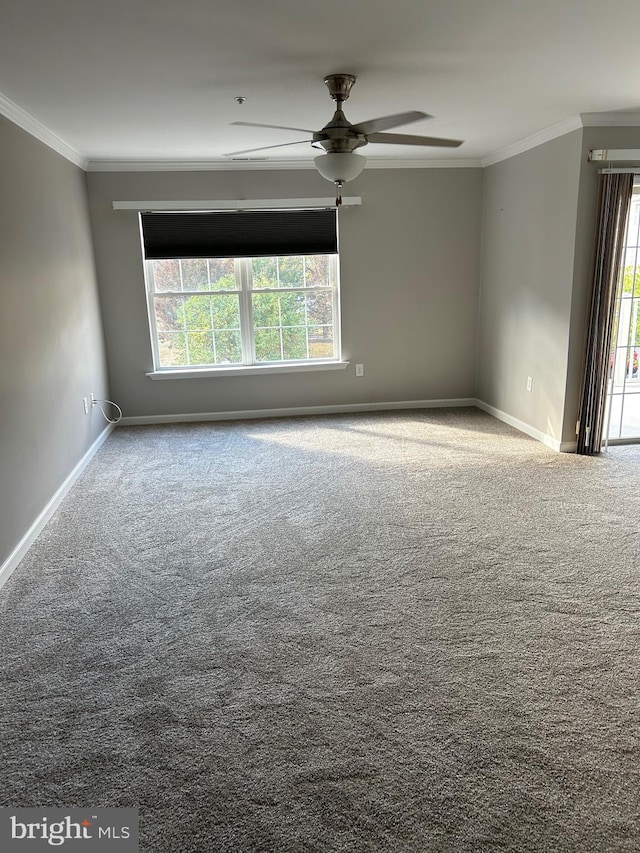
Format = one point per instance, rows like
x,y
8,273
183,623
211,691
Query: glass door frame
x,y
623,386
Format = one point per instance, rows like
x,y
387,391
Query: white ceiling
x,y
156,79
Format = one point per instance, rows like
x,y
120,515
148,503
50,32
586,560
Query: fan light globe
x,y
340,168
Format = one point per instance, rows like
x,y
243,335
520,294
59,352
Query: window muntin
x,y
208,312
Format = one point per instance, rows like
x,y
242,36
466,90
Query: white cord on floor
x,y
104,414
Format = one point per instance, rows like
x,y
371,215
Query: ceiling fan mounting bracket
x,y
339,86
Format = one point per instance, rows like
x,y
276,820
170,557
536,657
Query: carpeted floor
x,y
413,631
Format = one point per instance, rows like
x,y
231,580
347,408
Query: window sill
x,y
244,370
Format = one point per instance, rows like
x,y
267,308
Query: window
x,y
622,413
212,311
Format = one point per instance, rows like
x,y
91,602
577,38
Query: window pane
x,y
268,345
203,313
321,342
172,349
197,312
225,312
628,277
169,313
320,308
211,323
166,275
294,343
228,347
265,272
195,275
292,309
291,272
317,271
200,346
265,309
293,326
294,271
222,275
634,337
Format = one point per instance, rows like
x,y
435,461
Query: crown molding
x,y
113,165
621,119
10,110
262,164
27,122
414,163
539,138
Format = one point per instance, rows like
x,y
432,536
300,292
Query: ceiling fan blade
x,y
274,126
406,139
267,147
385,122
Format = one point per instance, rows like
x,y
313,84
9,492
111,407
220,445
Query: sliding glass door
x,y
622,415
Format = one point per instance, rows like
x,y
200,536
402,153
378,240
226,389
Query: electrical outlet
x,y
359,369
85,403
529,383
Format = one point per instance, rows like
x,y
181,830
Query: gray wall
x,y
409,275
530,206
422,305
51,345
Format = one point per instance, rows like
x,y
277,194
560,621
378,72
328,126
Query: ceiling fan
x,y
340,138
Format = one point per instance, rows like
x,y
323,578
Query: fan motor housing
x,y
339,135
338,141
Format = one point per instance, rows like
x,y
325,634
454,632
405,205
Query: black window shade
x,y
239,234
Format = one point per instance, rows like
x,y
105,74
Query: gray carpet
x,y
411,631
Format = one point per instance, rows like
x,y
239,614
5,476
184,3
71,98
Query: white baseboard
x,y
33,532
247,414
545,438
295,411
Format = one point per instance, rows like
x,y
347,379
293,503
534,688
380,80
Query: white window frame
x,y
245,291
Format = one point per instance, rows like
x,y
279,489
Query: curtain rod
x,y
240,204
635,171
613,155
